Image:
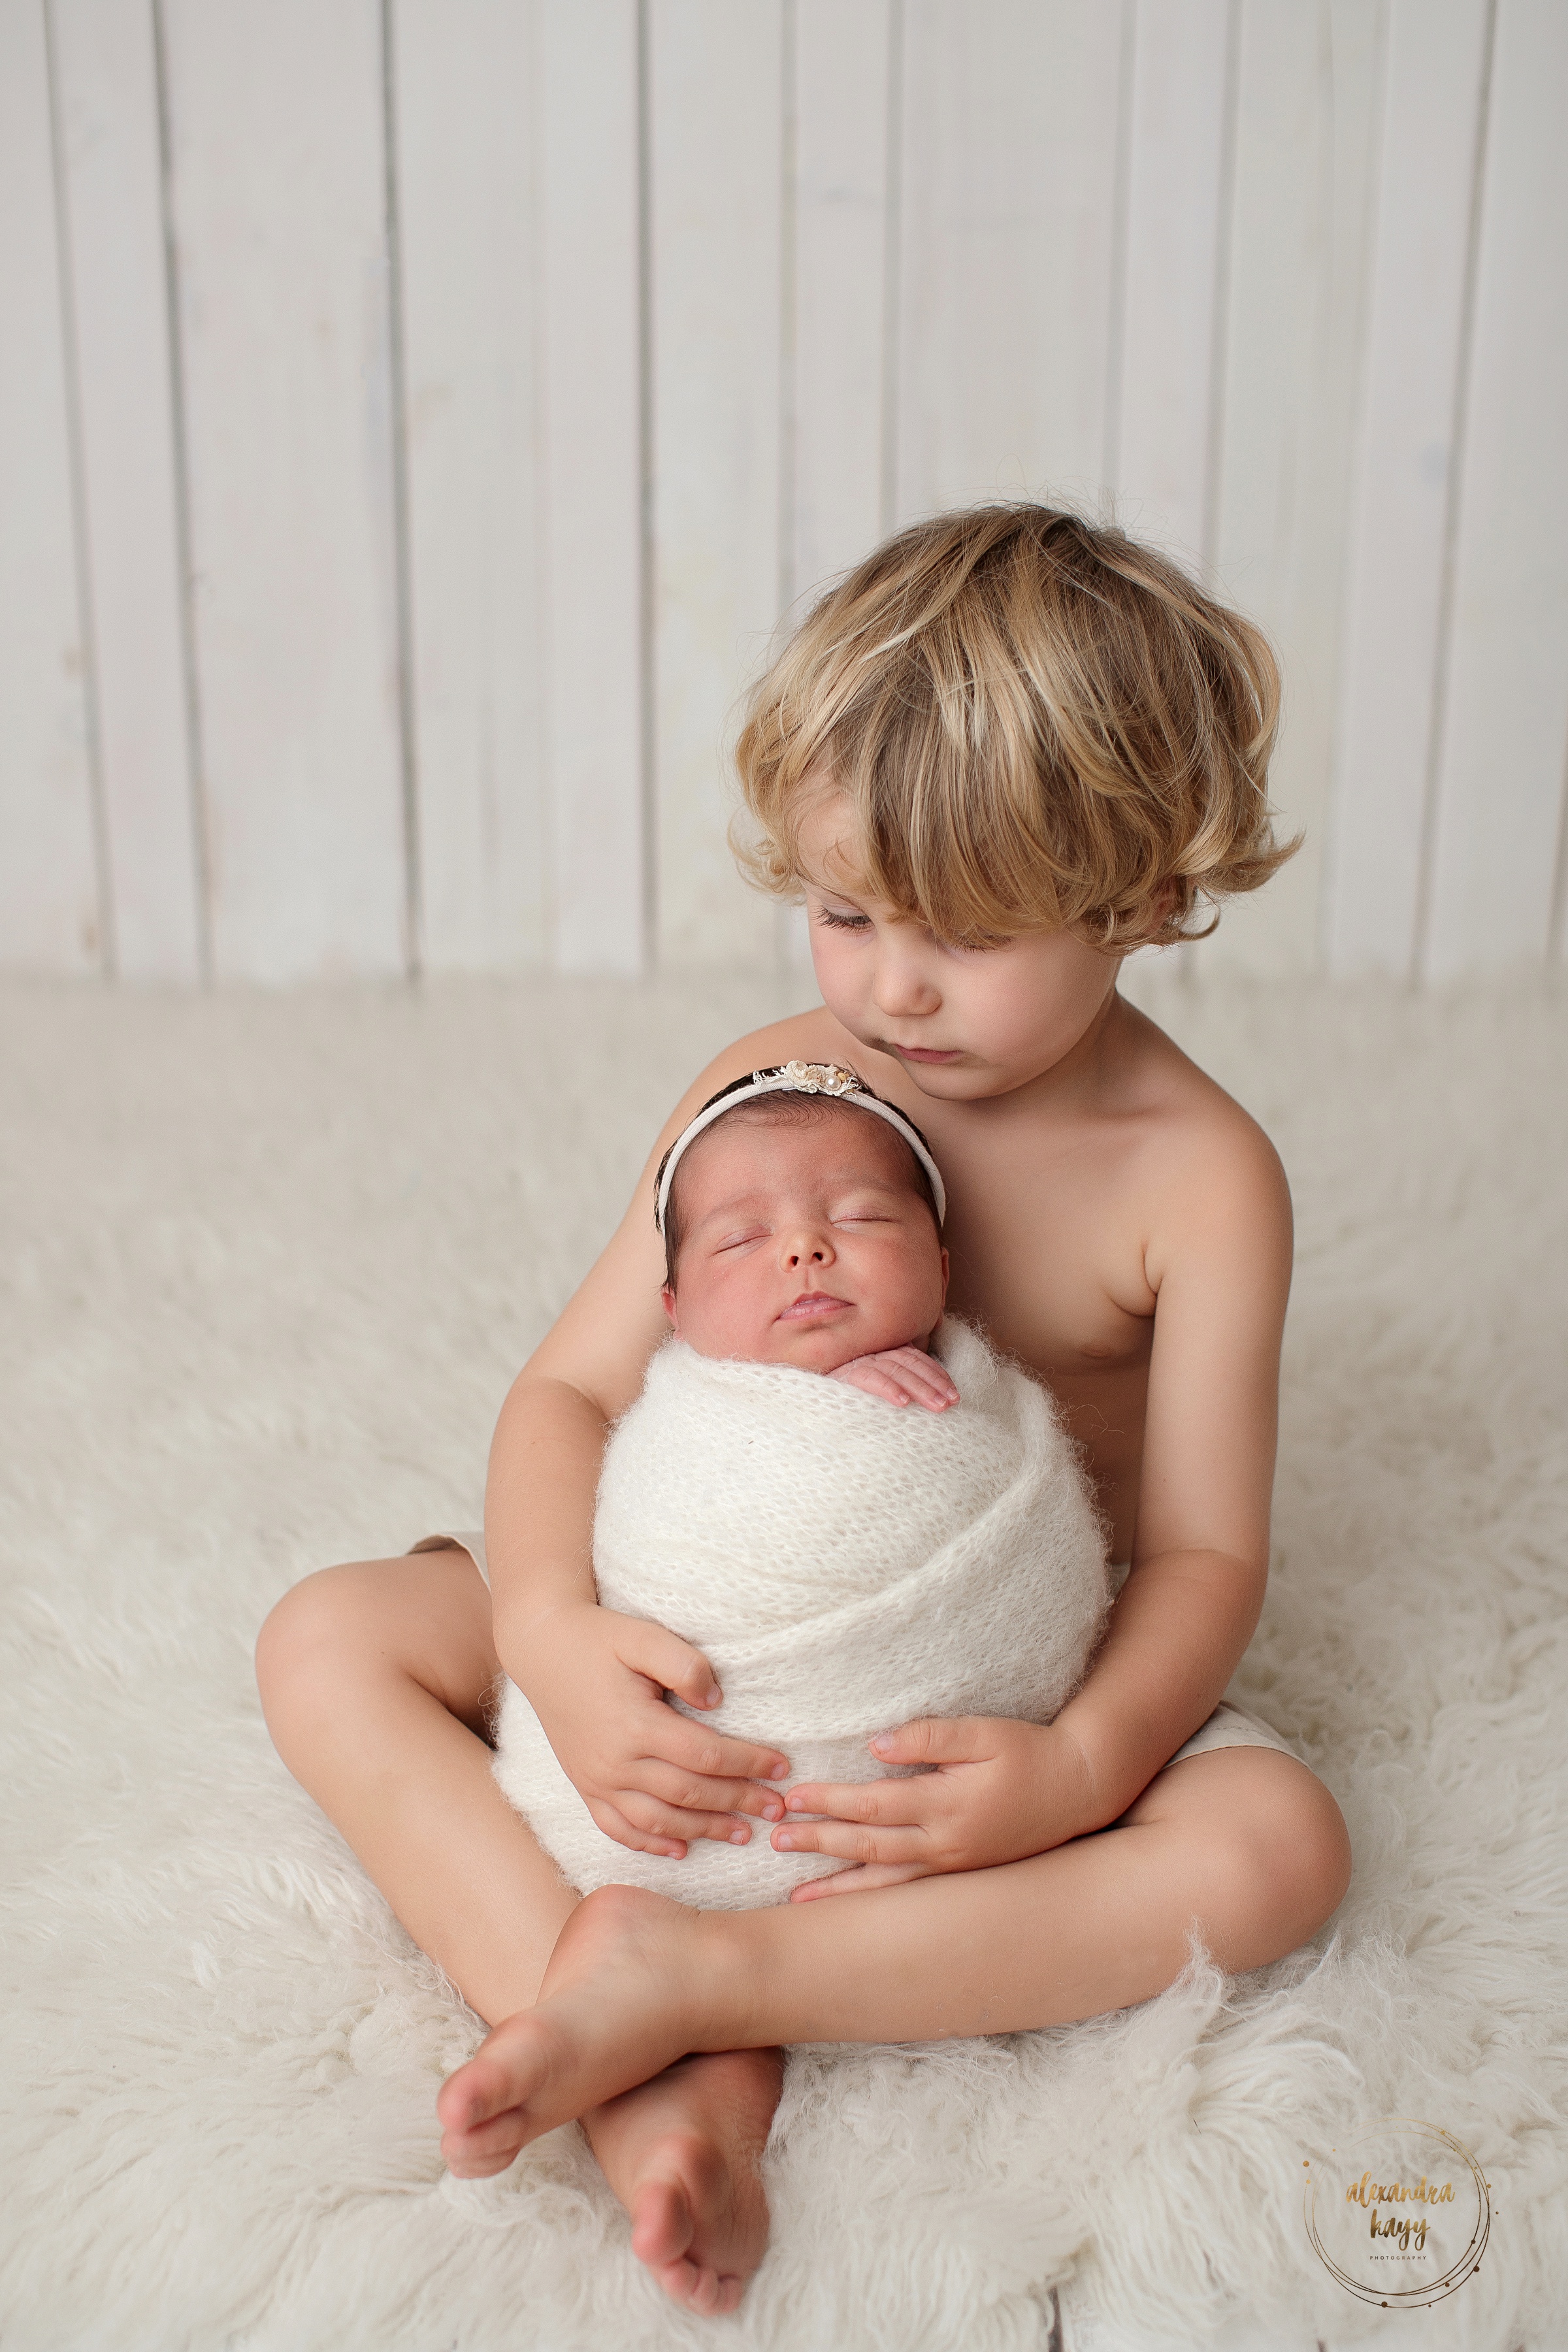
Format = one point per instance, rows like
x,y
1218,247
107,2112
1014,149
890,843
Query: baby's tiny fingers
x,y
901,1376
926,1379
874,1380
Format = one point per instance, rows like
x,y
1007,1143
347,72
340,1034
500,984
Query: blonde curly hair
x,y
1039,725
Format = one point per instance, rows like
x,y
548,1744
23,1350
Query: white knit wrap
x,y
844,1564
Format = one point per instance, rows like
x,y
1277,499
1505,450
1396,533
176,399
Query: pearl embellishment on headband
x,y
814,1079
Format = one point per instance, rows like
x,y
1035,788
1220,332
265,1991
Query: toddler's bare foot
x,y
682,2153
620,2001
619,2012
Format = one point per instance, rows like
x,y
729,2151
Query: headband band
x,y
829,1079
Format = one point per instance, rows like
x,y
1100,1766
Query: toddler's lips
x,y
810,1304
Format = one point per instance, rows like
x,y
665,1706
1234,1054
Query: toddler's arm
x,y
650,1777
1217,1259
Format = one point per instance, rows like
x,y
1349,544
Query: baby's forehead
x,y
764,1136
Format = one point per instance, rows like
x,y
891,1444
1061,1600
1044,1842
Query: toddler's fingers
x,y
669,1661
614,1824
695,1748
846,1843
695,1794
887,1805
856,1882
660,1824
935,1739
489,2148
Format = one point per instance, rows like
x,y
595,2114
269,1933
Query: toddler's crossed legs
x,y
376,1679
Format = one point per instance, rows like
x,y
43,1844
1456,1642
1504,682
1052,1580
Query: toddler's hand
x,y
999,1791
650,1777
901,1375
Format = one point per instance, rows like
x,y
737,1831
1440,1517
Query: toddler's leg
x,y
1246,1845
374,1679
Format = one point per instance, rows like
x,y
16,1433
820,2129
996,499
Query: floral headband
x,y
798,1078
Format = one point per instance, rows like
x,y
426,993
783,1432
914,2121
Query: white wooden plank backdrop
x,y
112,225
54,902
417,418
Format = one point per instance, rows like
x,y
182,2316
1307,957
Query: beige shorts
x,y
1228,1727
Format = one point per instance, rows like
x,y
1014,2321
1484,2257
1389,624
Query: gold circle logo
x,y
1400,2214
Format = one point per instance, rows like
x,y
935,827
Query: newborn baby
x,y
801,1232
858,1512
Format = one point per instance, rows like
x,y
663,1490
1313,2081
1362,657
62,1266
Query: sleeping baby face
x,y
803,1235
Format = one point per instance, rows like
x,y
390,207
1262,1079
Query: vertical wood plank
x,y
109,108
1500,805
1009,201
591,493
466,104
49,911
1163,402
279,208
1404,474
715,92
840,231
1305,156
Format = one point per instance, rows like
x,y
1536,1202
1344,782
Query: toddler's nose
x,y
901,988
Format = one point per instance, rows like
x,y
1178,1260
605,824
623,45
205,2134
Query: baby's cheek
x,y
904,1301
719,1313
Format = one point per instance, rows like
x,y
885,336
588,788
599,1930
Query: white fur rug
x,y
269,1264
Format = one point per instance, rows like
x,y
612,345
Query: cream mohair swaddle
x,y
844,1565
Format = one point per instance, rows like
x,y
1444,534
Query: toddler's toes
x,y
489,2148
701,2291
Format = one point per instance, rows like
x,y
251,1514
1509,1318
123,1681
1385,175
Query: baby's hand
x,y
901,1375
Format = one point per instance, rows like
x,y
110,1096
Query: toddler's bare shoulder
x,y
1209,1166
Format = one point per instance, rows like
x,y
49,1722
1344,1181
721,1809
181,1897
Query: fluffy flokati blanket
x,y
844,1565
249,1240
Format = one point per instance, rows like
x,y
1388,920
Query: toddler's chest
x,y
1053,1273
